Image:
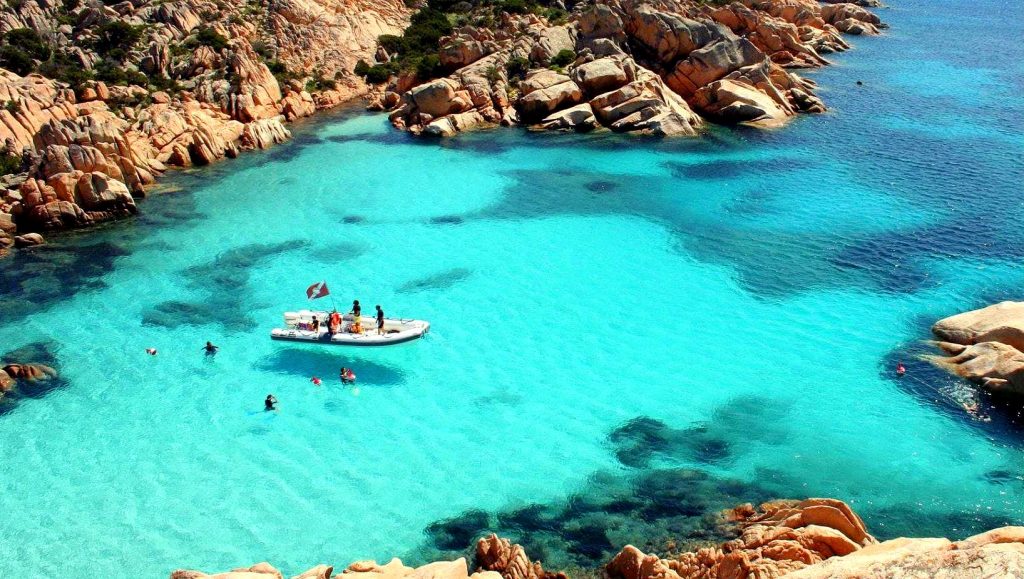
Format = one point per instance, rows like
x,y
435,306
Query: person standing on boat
x,y
380,321
357,326
334,323
316,325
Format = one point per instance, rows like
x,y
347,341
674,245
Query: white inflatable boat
x,y
299,328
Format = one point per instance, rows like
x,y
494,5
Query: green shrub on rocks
x,y
22,47
517,67
9,163
564,58
114,39
207,36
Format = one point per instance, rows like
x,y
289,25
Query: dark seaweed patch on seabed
x,y
34,279
643,441
441,280
645,508
770,263
223,285
731,169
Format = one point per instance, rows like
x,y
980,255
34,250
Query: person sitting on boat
x,y
316,325
210,349
357,326
269,403
380,321
347,375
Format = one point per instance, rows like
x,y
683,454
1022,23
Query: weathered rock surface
x,y
88,152
996,553
780,538
727,63
986,346
824,538
809,539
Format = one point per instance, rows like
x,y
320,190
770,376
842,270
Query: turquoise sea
x,y
627,334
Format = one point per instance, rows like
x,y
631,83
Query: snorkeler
x,y
316,381
151,351
900,369
269,403
210,349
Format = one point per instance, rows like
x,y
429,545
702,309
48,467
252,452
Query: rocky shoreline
x,y
662,68
813,538
110,97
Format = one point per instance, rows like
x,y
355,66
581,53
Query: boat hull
x,y
397,331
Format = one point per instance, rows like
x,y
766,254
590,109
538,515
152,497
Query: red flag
x,y
317,290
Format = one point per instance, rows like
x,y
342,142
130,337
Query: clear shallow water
x,y
627,333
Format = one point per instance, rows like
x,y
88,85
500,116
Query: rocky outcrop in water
x,y
99,100
985,346
655,67
809,539
11,374
777,539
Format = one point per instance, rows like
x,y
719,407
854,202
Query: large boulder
x,y
28,240
670,36
710,63
545,91
57,215
601,75
996,366
646,105
996,553
577,118
1002,322
494,553
734,101
438,98
550,42
461,50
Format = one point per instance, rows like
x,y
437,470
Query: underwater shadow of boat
x,y
304,363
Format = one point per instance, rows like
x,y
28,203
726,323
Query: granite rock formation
x,y
186,83
809,539
654,67
985,346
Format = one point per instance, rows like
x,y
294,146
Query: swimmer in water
x,y
269,403
151,351
900,369
316,381
346,375
210,349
